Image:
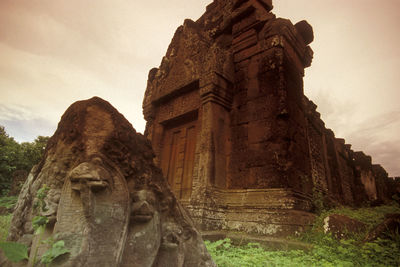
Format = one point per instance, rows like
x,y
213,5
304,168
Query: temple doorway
x,y
177,158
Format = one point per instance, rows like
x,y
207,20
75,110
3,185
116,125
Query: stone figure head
x,y
106,199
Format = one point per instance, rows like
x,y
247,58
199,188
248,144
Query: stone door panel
x,y
177,158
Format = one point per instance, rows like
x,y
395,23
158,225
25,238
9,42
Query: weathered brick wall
x,y
236,76
317,147
349,177
383,191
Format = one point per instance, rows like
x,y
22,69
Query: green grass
x,y
5,221
8,202
326,250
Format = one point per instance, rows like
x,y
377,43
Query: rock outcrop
x,y
106,199
341,226
389,228
240,144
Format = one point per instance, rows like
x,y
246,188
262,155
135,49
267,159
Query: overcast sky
x,y
55,52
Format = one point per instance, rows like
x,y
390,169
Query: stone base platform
x,y
269,243
272,212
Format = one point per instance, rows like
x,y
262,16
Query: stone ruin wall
x,y
343,175
239,143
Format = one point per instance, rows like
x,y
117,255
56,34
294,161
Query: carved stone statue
x,y
106,199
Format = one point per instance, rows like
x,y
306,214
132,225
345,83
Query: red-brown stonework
x,y
240,144
342,175
104,198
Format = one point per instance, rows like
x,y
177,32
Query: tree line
x,y
17,156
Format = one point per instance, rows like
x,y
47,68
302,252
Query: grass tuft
x,y
8,202
5,221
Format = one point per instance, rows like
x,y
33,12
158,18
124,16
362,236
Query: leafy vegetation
x,y
56,249
326,250
5,221
15,156
16,252
8,202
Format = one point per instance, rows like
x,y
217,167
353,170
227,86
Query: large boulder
x,y
106,199
390,227
342,226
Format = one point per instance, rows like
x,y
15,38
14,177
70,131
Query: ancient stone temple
x,y
341,174
240,145
105,199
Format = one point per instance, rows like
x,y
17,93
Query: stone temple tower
x,y
226,118
241,145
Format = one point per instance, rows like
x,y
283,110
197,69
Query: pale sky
x,y
55,52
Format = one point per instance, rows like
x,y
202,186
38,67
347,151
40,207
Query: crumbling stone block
x,y
107,200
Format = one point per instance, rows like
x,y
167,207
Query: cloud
x,y
53,53
337,113
375,134
386,153
378,136
14,112
22,124
28,130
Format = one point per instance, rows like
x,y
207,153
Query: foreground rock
x,y
106,199
342,226
389,227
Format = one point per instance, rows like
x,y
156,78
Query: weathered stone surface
x,y
228,120
341,174
394,189
107,200
4,211
388,228
305,30
342,226
19,178
225,119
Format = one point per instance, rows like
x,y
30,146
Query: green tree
x,y
15,156
9,154
31,153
